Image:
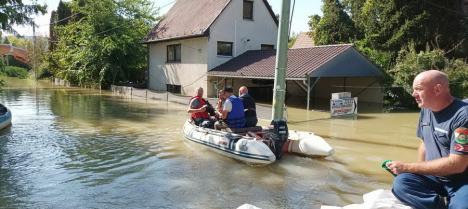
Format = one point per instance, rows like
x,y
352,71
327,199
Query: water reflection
x,y
79,148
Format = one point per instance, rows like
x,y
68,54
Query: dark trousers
x,y
250,121
426,192
205,123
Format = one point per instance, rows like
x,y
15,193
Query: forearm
x,y
441,167
193,110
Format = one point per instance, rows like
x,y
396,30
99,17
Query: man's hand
x,y
203,108
397,167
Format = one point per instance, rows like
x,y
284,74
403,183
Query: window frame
x,y
173,58
225,42
267,45
173,88
251,15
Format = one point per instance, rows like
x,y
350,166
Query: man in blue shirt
x,y
443,154
233,111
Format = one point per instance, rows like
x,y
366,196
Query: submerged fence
x,y
263,111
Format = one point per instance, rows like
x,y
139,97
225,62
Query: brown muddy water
x,y
81,148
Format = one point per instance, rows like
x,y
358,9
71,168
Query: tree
x,y
334,27
6,41
390,25
102,45
16,12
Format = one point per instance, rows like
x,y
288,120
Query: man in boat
x,y
199,109
232,115
440,177
249,107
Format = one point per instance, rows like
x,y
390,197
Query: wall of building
x,y
245,34
368,90
190,73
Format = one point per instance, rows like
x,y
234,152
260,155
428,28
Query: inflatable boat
x,y
257,145
5,117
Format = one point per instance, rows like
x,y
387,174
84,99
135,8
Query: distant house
x,y
303,40
326,69
196,36
18,54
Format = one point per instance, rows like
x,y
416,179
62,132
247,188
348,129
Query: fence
x,y
263,111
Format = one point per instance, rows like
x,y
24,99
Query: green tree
x,y
16,12
6,41
410,62
102,45
334,27
390,25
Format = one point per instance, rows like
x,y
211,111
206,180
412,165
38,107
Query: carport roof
x,y
319,61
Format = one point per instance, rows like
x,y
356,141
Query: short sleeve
x,y
419,133
194,103
459,144
227,105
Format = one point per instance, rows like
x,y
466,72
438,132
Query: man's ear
x,y
437,89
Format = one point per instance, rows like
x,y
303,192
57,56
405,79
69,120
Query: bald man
x,y
198,109
441,170
249,107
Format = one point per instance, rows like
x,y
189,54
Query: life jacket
x,y
236,118
201,102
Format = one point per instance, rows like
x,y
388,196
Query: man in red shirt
x,y
198,110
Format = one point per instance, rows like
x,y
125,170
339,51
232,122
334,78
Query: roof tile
x,y
261,63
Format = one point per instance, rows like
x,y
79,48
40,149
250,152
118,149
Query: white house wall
x,y
245,34
190,73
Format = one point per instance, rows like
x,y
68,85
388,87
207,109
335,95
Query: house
x,y
319,71
197,36
303,40
18,54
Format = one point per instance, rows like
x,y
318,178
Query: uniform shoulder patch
x,y
461,139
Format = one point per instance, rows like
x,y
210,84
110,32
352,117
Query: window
x,y
248,10
173,88
173,53
224,48
267,47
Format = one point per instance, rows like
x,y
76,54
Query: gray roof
x,y
190,18
320,61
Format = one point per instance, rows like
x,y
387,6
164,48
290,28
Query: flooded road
x,y
81,148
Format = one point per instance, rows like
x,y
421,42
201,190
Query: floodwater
x,y
81,148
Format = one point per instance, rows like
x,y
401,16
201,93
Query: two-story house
x,y
198,35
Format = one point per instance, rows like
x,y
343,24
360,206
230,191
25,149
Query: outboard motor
x,y
281,133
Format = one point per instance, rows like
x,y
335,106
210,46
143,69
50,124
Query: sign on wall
x,y
342,104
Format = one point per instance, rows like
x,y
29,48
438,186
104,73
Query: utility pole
x,y
279,90
34,51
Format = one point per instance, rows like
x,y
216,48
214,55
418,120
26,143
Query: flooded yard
x,y
81,148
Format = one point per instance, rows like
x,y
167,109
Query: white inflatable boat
x,y
254,145
5,117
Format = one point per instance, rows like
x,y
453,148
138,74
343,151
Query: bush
x,y
12,71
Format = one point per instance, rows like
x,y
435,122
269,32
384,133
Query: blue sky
x,y
302,11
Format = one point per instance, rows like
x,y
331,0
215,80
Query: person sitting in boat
x,y
220,103
199,109
249,107
232,113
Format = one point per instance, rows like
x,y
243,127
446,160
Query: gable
x,y
350,63
187,18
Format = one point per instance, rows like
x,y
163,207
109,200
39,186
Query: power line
x,y
61,20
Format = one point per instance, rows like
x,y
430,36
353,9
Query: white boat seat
x,y
246,129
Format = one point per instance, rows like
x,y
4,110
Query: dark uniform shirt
x,y
249,104
444,132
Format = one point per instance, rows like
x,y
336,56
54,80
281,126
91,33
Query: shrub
x,y
12,71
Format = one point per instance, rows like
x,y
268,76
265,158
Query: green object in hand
x,y
384,166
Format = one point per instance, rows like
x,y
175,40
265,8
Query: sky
x,y
302,10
